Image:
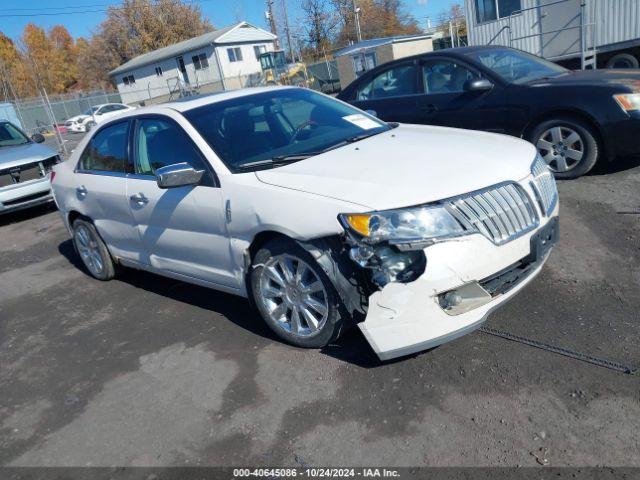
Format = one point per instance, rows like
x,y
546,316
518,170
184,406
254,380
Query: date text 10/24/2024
x,y
316,472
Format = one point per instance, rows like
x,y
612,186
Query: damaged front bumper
x,y
405,318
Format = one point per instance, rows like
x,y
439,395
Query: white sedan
x,y
95,115
323,215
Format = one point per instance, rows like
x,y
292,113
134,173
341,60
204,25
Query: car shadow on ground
x,y
351,347
615,166
26,214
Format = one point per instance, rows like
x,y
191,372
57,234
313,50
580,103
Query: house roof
x,y
185,46
374,43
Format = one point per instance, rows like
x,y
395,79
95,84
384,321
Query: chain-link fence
x,y
47,115
39,116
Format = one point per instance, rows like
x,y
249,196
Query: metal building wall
x,y
497,33
615,21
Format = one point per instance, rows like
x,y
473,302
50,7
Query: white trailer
x,y
584,33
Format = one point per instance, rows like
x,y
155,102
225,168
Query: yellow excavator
x,y
276,71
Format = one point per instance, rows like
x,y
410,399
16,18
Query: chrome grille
x,y
544,185
500,213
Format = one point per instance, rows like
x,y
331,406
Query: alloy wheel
x,y
561,147
89,250
294,297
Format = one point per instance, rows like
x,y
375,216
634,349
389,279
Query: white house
x,y
217,60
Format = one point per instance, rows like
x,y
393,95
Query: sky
x,y
219,12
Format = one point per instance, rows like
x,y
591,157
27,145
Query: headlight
x,y
628,101
403,225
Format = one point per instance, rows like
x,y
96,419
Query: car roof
x,y
460,51
189,103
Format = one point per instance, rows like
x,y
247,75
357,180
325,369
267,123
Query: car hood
x,y
21,154
409,165
629,78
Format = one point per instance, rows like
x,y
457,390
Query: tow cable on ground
x,y
601,362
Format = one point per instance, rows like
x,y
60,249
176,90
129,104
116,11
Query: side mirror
x,y
477,85
37,137
178,175
373,113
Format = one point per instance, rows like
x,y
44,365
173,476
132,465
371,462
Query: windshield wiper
x,y
279,160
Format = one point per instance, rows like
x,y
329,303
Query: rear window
x,y
107,150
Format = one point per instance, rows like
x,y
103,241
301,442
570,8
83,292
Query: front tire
x,y
294,296
569,146
92,250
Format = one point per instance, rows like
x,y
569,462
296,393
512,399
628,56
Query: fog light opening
x,y
463,299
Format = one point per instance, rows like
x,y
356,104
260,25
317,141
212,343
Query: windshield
x,y
10,135
91,111
248,131
515,66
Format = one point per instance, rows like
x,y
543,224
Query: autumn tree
x,y
40,60
378,18
136,27
14,81
64,59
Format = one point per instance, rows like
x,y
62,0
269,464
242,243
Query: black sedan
x,y
574,118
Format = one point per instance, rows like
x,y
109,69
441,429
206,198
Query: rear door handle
x,y
81,191
139,199
431,108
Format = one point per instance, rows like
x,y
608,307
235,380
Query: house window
x,y
200,61
158,71
488,10
258,50
235,54
129,80
363,62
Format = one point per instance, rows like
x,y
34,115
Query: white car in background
x,y
324,216
95,115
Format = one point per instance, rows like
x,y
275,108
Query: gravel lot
x,y
144,370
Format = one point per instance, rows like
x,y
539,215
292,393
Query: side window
x,y
394,82
158,143
445,76
107,150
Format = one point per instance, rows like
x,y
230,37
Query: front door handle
x,y
81,191
431,108
139,199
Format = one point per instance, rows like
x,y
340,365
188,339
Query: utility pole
x,y
272,22
356,12
451,34
288,31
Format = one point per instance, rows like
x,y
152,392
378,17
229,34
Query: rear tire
x,y
294,295
623,60
92,250
568,145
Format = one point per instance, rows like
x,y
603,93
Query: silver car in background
x,y
25,169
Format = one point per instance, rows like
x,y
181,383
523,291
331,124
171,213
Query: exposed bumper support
x,y
407,318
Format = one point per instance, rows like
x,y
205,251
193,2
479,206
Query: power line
x,y
57,8
76,12
49,14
